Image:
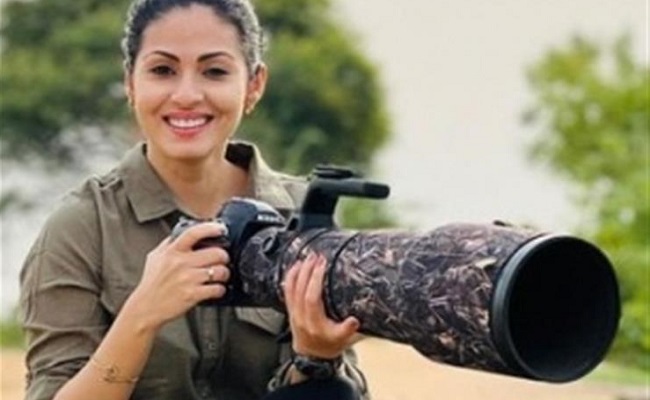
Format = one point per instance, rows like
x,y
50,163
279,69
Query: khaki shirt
x,y
89,258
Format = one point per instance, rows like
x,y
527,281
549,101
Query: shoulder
x,y
69,241
75,216
296,186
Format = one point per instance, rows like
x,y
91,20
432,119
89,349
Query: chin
x,y
185,152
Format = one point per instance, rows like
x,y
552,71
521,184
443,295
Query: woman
x,y
112,306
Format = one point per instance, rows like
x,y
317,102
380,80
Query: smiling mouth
x,y
187,123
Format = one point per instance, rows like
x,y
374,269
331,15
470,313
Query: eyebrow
x,y
201,58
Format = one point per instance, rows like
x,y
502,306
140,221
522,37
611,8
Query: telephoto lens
x,y
492,297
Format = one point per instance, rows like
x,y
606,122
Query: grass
x,y
11,334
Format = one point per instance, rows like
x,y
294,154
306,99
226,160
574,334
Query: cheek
x,y
228,96
228,101
149,95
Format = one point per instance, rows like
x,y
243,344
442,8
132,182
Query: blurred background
x,y
526,111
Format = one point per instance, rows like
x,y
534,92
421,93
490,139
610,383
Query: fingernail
x,y
222,227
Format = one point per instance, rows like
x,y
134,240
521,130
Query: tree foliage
x,y
323,102
61,84
61,73
592,105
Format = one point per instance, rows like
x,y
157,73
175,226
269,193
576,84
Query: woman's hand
x,y
176,277
314,334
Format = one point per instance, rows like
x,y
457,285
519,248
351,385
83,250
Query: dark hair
x,y
240,13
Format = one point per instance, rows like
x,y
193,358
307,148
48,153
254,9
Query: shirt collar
x,y
150,197
267,185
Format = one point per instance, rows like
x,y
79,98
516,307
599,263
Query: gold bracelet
x,y
111,373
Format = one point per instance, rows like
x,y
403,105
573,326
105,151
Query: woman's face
x,y
190,85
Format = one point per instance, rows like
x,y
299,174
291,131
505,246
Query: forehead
x,y
192,29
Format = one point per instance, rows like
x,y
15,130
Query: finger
x,y
343,334
302,280
207,292
212,275
207,256
308,309
348,328
315,310
289,284
186,240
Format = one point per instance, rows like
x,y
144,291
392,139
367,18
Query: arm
x,y
287,375
314,334
113,369
117,355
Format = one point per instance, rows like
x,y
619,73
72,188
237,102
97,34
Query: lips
x,y
186,123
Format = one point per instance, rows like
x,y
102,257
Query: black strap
x,y
336,388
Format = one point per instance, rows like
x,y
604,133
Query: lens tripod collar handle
x,y
327,184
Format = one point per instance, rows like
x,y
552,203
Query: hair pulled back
x,y
240,13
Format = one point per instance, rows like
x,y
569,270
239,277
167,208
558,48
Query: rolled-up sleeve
x,y
60,307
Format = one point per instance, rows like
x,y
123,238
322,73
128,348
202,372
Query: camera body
x,y
245,217
241,218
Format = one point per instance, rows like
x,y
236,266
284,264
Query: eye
x,y
162,70
215,72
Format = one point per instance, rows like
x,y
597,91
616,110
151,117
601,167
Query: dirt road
x,y
396,372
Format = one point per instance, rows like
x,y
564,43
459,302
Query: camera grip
x,y
221,241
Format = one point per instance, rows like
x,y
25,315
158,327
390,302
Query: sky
x,y
454,75
454,72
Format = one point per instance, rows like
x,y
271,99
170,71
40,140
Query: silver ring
x,y
210,274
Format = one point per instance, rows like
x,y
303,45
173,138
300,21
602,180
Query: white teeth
x,y
187,123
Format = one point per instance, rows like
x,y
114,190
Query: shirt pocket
x,y
266,319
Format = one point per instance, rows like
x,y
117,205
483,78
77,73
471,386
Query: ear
x,y
255,88
128,87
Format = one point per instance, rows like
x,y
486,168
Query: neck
x,y
202,187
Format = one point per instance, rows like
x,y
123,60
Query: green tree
x,y
61,76
592,107
323,102
61,85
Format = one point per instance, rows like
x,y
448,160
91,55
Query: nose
x,y
187,92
